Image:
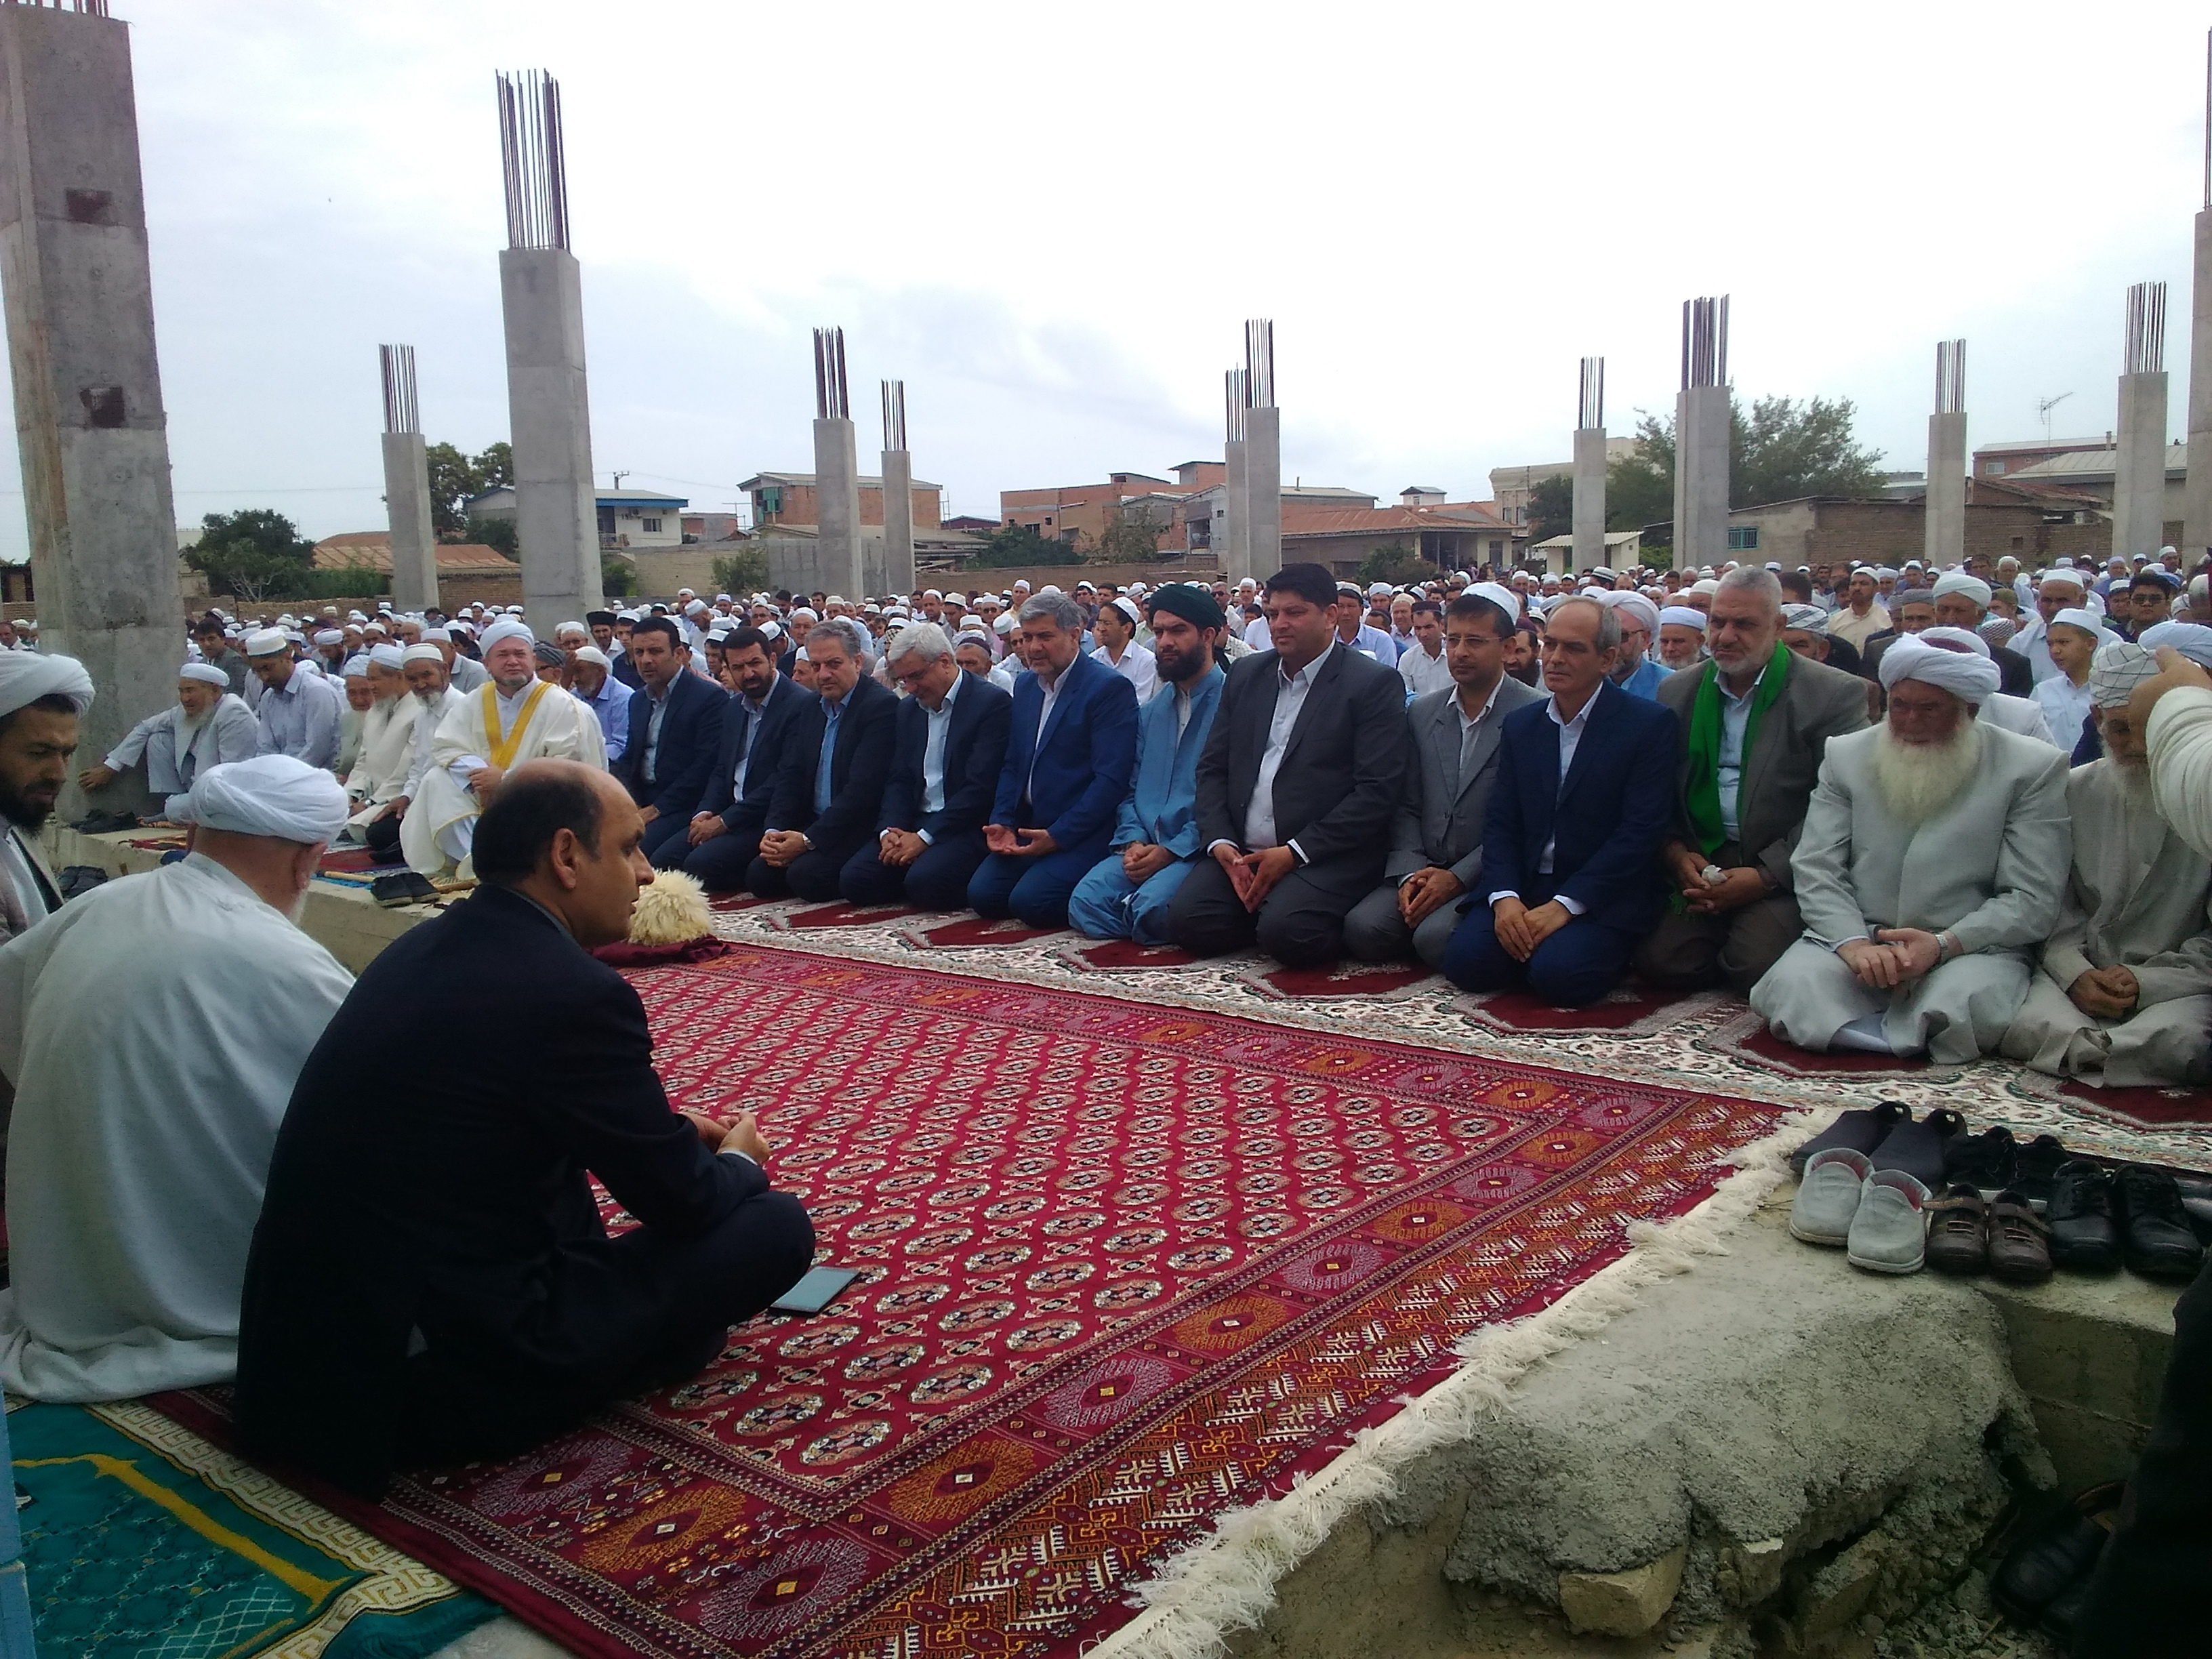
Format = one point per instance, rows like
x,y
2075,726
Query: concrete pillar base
x,y
1263,492
1589,497
407,508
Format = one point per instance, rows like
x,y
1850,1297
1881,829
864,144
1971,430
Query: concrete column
x,y
2196,532
557,516
1701,476
1589,498
1944,538
407,506
837,498
1263,492
89,422
2139,468
1234,553
898,522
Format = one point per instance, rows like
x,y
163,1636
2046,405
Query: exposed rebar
x,y
1950,377
532,157
401,413
1234,395
88,8
1590,411
1259,363
894,415
2146,336
831,400
1704,342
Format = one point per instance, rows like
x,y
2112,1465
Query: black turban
x,y
1194,603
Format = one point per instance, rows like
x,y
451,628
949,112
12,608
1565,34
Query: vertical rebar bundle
x,y
1950,377
831,398
1591,407
2147,328
400,411
1704,342
534,161
2208,118
894,414
1235,395
1259,363
88,8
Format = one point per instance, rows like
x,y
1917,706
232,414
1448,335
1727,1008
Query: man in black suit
x,y
675,733
724,835
949,744
1297,785
829,786
429,1280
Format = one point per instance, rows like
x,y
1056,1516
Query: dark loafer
x,y
1983,1162
393,891
1917,1148
2156,1240
2052,1557
2197,1199
2084,1236
2033,1167
1862,1130
2020,1251
1957,1241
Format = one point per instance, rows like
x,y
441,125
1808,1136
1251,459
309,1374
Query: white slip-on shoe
x,y
1828,1196
1889,1234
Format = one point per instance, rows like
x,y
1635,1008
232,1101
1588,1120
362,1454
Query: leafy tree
x,y
1015,544
455,477
1638,492
741,573
618,576
1781,451
1396,563
1552,509
492,532
252,553
1132,538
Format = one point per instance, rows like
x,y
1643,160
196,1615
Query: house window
x,y
1993,469
767,503
1743,538
653,527
2019,542
606,522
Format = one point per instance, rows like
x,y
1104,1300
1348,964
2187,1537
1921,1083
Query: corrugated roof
x,y
372,549
1369,520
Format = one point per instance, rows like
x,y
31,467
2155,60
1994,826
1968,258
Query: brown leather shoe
x,y
2019,1245
1957,1240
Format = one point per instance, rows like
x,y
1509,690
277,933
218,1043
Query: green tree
x,y
618,575
253,553
454,477
1396,563
741,573
1132,538
492,532
1551,509
1015,544
1781,451
1638,492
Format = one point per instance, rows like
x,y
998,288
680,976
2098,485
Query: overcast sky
x,y
1052,221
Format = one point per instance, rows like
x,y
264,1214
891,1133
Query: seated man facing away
x,y
1155,842
1583,797
724,834
1436,848
830,787
1931,862
672,736
1298,784
948,746
430,1281
1755,720
152,1030
1070,751
209,725
2124,995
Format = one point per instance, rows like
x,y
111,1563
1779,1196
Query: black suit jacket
x,y
859,769
458,1205
1342,773
691,738
975,750
786,699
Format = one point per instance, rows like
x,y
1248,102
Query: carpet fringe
x,y
1226,1580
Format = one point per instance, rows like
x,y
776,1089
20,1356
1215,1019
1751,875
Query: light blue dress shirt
x,y
836,713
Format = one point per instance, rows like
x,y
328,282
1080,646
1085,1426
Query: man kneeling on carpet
x,y
430,1281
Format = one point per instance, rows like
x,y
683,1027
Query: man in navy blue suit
x,y
724,834
1583,800
830,788
949,744
675,733
1069,757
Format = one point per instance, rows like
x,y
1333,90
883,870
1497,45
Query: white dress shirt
x,y
1422,672
1290,698
932,755
1570,737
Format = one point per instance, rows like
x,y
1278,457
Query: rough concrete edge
x,y
1226,1580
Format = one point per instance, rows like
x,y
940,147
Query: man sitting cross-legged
x,y
1932,860
430,1280
1436,849
830,791
1570,840
2123,996
948,743
723,836
672,734
1155,844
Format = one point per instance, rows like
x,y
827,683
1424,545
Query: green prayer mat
x,y
141,1539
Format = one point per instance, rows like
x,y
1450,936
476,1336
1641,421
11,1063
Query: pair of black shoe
x,y
1993,1162
2100,1219
2044,1577
1892,1138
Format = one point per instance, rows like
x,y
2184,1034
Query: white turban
x,y
422,653
1636,605
356,667
274,795
204,671
2116,670
506,629
1504,597
592,654
2192,639
567,628
1965,638
26,675
1970,679
2087,621
330,636
266,642
1808,618
1705,584
388,656
1958,581
1681,616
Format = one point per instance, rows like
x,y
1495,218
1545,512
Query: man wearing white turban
x,y
299,708
1962,600
1681,637
41,698
2007,712
1932,860
209,725
153,1031
1633,670
379,776
2124,995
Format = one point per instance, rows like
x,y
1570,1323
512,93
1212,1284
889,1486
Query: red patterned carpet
x,y
1126,1268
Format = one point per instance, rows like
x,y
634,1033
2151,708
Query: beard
x,y
1918,779
26,811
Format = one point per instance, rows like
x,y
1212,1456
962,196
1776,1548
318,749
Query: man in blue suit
x,y
1583,800
675,733
1070,755
830,787
949,744
1155,842
724,835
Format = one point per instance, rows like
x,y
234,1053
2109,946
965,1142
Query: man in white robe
x,y
1933,856
209,725
41,699
2123,996
516,717
379,776
153,1031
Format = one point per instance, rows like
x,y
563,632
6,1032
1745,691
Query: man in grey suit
x,y
1755,722
1436,849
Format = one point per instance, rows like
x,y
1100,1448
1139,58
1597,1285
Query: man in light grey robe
x,y
209,725
2123,996
1933,856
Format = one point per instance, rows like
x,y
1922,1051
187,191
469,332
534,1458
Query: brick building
x,y
786,499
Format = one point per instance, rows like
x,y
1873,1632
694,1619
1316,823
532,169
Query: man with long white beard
x,y
209,725
1932,860
430,697
379,776
2123,997
515,717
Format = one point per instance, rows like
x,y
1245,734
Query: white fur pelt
x,y
671,910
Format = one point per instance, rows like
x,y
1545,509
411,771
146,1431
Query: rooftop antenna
x,y
620,476
2044,405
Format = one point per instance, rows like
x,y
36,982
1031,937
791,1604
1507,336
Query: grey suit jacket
x,y
1436,824
1817,703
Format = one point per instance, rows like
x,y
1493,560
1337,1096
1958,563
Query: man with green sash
x,y
1755,720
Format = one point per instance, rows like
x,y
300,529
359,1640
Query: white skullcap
x,y
1127,610
696,607
2192,639
1706,584
1958,581
507,629
274,795
440,632
330,636
1808,617
1883,572
2116,670
592,654
354,667
1504,597
1637,606
1682,615
2087,621
572,627
771,630
2068,574
1965,638
388,656
1970,679
1996,629
266,642
26,675
422,653
801,656
203,671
